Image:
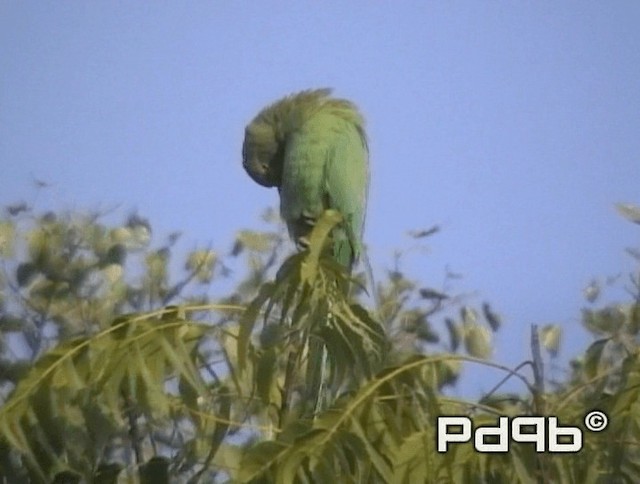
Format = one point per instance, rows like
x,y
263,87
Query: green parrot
x,y
313,148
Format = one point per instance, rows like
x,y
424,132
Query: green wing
x,y
326,166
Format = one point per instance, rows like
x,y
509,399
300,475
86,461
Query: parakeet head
x,y
266,136
262,154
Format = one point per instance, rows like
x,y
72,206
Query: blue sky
x,y
513,125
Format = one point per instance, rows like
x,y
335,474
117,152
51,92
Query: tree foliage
x,y
113,370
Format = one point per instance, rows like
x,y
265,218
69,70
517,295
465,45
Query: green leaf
x,y
25,273
592,291
469,316
259,458
201,263
634,319
116,254
593,356
629,211
266,375
253,241
10,323
107,473
319,235
248,321
550,336
380,462
432,294
155,471
477,341
7,238
491,316
455,334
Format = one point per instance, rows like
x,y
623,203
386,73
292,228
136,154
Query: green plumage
x,y
313,148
